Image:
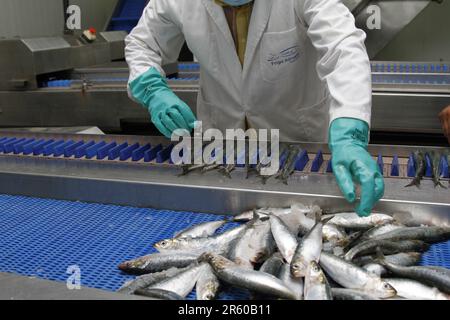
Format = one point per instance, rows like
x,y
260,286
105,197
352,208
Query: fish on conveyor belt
x,y
427,234
199,245
435,277
206,229
420,165
308,249
146,280
403,259
316,284
159,294
349,294
331,232
436,168
182,283
255,281
254,246
289,165
295,284
414,290
286,241
273,264
350,220
158,262
350,276
386,246
207,286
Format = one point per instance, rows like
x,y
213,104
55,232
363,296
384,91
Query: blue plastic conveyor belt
x,y
42,238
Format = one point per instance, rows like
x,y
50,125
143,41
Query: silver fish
x,y
316,284
387,247
255,281
436,277
420,164
352,277
295,284
414,290
427,234
249,215
349,294
182,283
379,230
206,229
405,259
289,165
146,280
350,220
217,243
208,285
436,168
158,262
331,233
285,240
309,249
159,294
254,246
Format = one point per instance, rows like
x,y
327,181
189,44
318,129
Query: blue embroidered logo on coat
x,y
286,56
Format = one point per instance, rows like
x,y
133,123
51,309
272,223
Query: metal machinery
x,y
61,81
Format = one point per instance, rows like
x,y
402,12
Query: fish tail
x,y
415,182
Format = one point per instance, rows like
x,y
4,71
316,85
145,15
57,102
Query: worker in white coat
x,y
295,65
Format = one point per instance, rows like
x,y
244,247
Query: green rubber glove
x,y
168,112
348,140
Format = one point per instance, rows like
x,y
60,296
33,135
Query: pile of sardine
x,y
420,163
287,166
295,253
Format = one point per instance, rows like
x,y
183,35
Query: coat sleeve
x,y
343,62
156,40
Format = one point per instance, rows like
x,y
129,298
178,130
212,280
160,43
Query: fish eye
x,y
295,266
163,243
387,286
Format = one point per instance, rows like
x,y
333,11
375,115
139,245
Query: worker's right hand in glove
x,y
348,140
168,112
445,120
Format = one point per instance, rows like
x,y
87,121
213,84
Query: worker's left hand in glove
x,y
348,140
168,112
445,120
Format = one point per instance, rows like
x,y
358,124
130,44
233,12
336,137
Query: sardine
x,y
379,230
405,259
295,284
387,247
158,262
427,234
435,277
436,168
218,243
159,294
289,165
254,246
352,277
146,280
182,283
330,232
414,290
316,284
349,294
255,281
227,170
285,240
206,229
309,249
208,285
420,165
351,220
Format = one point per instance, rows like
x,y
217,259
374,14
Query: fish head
x,y
315,272
298,268
383,289
168,244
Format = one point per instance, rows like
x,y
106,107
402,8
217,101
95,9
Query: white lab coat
x,y
305,63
